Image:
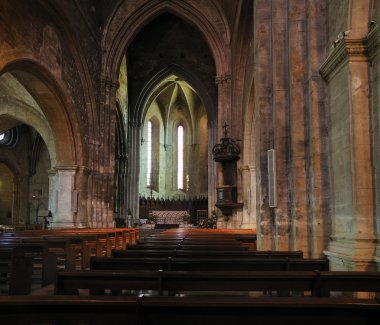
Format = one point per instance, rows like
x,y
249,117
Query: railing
x,y
192,205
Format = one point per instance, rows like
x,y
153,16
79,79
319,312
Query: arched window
x,y
149,156
180,157
9,138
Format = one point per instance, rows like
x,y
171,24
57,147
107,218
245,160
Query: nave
x,y
187,276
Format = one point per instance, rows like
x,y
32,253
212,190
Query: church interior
x,y
129,128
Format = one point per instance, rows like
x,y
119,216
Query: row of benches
x,y
230,301
75,310
208,263
22,252
147,268
192,307
316,283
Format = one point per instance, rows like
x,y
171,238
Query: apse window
x,y
180,157
149,156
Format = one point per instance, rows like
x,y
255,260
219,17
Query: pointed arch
x,y
117,36
153,86
55,105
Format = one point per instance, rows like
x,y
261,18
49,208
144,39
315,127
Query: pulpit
x,y
227,153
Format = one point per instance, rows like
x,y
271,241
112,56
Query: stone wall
x,y
290,116
346,71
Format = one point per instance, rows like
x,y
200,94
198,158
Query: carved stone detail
x,y
107,82
345,51
221,79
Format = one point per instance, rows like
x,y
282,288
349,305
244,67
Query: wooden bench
x,y
206,253
232,243
185,246
252,310
215,263
69,310
15,270
317,283
187,310
42,260
77,242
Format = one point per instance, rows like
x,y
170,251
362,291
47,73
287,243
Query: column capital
x,y
52,172
344,51
73,168
108,82
244,168
84,170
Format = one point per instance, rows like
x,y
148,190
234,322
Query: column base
x,y
351,254
248,225
63,224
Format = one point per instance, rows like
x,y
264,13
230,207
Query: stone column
x,y
61,186
281,122
82,194
264,121
133,169
248,175
352,242
107,123
298,123
212,167
374,54
319,186
122,186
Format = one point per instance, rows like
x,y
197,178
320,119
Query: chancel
x,y
202,142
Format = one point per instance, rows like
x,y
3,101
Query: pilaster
x,y
352,242
61,203
81,195
374,55
248,176
105,179
133,169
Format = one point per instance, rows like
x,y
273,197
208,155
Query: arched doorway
x,y
32,101
26,189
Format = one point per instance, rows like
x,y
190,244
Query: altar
x,y
169,217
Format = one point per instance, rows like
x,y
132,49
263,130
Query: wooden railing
x,y
192,205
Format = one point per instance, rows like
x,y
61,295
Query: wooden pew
x,y
68,310
187,310
16,270
208,264
318,283
189,239
206,253
78,242
259,311
39,254
185,246
64,246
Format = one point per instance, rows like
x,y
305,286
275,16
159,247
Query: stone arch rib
x,y
118,42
